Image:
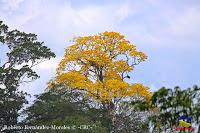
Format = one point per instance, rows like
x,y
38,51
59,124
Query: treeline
x,y
68,107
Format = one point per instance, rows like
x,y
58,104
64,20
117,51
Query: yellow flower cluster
x,y
72,79
139,89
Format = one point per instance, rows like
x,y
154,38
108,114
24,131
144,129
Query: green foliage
x,y
167,105
70,108
24,52
175,103
171,104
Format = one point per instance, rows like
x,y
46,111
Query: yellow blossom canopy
x,y
99,64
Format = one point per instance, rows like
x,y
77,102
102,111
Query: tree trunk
x,y
111,113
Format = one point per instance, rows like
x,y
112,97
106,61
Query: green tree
x,y
170,105
23,52
67,107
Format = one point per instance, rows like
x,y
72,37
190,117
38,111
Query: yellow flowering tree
x,y
99,65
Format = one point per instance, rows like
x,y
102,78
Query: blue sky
x,y
167,31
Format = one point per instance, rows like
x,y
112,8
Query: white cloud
x,y
186,24
10,5
124,11
49,65
169,28
61,23
66,15
181,30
